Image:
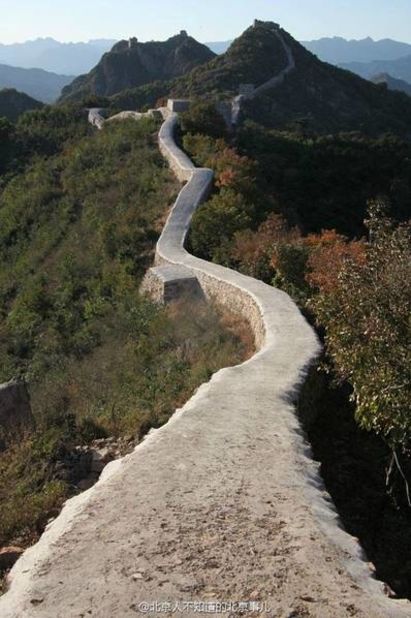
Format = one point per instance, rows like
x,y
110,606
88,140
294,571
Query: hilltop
x,y
315,94
130,64
14,103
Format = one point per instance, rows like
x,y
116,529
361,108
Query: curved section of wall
x,y
266,308
286,345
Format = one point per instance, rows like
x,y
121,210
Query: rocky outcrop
x,y
82,465
391,83
96,117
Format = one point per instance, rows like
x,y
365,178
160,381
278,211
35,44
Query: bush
x,y
203,117
216,222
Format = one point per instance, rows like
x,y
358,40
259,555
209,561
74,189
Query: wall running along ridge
x,y
275,81
224,501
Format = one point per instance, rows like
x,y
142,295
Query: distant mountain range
x,y
13,104
337,50
39,84
392,83
130,64
79,58
43,67
400,68
51,55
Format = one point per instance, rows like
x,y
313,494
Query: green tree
x,y
203,117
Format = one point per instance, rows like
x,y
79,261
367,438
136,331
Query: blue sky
x,y
206,20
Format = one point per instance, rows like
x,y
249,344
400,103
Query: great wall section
x,y
223,504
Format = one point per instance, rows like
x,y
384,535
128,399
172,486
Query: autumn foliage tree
x,y
235,203
364,304
328,254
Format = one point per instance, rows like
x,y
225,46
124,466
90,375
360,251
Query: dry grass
x,y
128,384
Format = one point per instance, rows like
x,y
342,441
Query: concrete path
x,y
223,505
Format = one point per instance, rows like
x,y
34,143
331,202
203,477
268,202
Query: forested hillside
x,y
80,212
315,96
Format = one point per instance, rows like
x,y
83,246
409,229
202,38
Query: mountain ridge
x,y
14,103
392,83
338,50
54,56
399,68
317,94
42,85
130,64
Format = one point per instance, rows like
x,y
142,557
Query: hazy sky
x,y
206,20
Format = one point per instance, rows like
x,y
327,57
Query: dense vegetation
x,y
274,193
312,181
78,224
38,134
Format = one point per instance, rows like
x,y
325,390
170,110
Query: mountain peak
x,y
268,25
130,64
285,84
252,58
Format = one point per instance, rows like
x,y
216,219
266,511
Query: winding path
x,y
224,502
